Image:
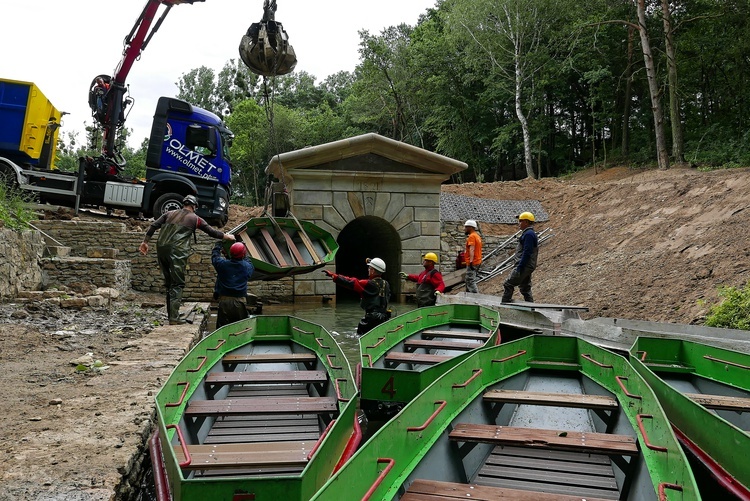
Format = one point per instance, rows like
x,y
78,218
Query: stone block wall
x,y
20,254
145,275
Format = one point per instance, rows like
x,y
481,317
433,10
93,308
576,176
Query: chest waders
x,y
425,291
375,304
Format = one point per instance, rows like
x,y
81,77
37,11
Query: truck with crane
x,y
188,148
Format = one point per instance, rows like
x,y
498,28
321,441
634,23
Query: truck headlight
x,y
223,203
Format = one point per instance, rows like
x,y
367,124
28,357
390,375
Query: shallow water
x,y
339,319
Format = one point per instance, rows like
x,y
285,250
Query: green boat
x,y
542,417
402,356
261,409
705,392
284,246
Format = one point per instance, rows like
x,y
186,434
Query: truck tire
x,y
166,203
8,176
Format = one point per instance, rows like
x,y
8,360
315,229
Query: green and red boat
x,y
705,393
262,409
541,417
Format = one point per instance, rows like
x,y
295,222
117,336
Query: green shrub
x,y
733,311
13,211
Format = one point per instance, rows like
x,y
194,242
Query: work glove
x,y
471,267
329,274
438,293
403,275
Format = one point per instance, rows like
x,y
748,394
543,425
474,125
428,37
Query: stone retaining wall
x,y
145,275
20,254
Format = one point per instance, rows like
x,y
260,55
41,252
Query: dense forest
x,y
514,88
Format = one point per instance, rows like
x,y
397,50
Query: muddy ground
x,y
637,244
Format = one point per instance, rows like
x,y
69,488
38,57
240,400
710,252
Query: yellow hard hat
x,y
431,256
528,216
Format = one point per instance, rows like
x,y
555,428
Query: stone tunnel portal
x,y
363,237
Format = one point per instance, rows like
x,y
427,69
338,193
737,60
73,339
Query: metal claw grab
x,y
265,48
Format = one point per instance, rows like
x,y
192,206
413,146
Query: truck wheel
x,y
8,176
166,203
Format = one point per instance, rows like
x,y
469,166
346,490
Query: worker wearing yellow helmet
x,y
429,282
527,251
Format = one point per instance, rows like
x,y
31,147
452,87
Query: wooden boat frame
x,y
706,423
280,247
170,449
382,466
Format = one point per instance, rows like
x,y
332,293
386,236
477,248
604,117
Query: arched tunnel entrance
x,y
368,236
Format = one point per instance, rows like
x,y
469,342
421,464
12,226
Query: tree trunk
x,y
625,146
522,119
661,143
678,153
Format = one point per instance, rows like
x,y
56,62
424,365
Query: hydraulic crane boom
x,y
265,49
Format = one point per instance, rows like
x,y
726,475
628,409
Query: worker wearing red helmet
x,y
174,247
232,276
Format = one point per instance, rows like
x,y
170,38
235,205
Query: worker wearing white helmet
x,y
374,292
473,253
525,258
429,282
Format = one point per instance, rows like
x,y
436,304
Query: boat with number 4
x,y
705,393
280,247
402,356
261,409
542,418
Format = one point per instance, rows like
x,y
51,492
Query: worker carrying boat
x,y
231,282
527,251
429,282
174,247
374,292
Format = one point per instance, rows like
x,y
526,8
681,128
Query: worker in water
x,y
374,292
232,276
429,282
473,253
525,257
174,247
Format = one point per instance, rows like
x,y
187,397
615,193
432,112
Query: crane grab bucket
x,y
265,47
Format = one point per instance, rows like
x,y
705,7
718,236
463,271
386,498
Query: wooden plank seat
x,y
269,358
520,327
269,454
261,405
261,377
594,443
397,357
433,490
428,344
431,333
579,401
721,402
271,245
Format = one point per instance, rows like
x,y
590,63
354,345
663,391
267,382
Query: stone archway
x,y
368,236
378,198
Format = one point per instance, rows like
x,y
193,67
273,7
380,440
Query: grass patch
x,y
13,210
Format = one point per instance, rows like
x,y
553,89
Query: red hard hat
x,y
237,250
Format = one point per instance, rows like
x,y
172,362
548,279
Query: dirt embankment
x,y
639,244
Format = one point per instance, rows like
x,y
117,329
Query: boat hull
x,y
282,247
682,374
417,445
217,439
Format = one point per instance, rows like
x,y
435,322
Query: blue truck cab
x,y
188,153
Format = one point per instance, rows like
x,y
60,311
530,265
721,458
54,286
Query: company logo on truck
x,y
193,160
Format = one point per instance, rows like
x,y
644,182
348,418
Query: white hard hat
x,y
471,223
377,264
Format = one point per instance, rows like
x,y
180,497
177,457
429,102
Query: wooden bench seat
x,y
260,377
269,358
482,336
261,405
270,454
398,357
428,344
721,402
575,400
433,490
520,327
596,443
